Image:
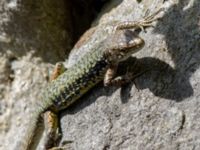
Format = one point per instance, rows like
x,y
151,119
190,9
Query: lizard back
x,y
76,81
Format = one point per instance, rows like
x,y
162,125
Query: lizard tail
x,y
29,140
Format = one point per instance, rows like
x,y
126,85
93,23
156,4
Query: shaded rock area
x,y
158,110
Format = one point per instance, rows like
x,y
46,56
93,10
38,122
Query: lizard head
x,y
122,44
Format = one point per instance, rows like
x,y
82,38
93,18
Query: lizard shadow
x,y
180,27
159,79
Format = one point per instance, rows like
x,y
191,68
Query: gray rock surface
x,y
160,111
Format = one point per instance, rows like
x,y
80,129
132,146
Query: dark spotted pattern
x,y
76,81
80,86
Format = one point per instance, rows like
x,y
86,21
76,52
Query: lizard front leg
x,y
111,80
109,75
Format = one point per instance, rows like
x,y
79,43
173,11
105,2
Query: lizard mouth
x,y
137,43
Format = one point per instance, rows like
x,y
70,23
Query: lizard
x,y
68,85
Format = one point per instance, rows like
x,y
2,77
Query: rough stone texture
x,y
163,113
160,111
25,40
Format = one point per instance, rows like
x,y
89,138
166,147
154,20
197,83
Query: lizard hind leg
x,y
52,136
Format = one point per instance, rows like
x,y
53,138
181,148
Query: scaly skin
x,y
90,70
86,73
